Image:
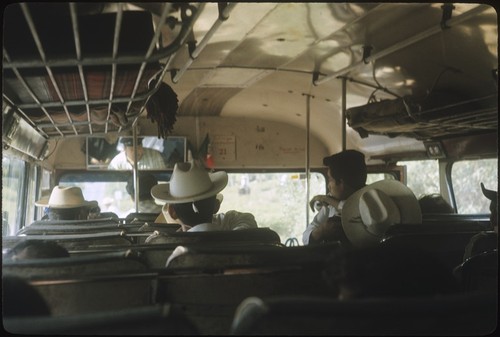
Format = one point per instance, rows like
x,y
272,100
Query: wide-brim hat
x,y
370,211
65,197
189,182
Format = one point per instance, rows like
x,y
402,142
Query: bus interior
x,y
264,92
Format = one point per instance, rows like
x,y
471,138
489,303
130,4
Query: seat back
x,y
215,258
480,272
85,284
87,265
455,315
261,235
448,247
148,320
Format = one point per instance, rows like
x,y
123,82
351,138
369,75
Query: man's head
x,y
346,173
67,203
37,249
128,144
191,192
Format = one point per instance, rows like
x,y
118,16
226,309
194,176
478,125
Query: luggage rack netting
x,y
93,93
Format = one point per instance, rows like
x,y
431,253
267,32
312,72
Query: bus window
x,y
277,200
13,177
466,177
373,177
422,176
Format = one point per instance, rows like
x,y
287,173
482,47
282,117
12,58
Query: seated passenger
x,y
147,159
147,203
165,217
387,271
435,204
191,198
36,249
485,241
346,175
370,211
68,203
20,299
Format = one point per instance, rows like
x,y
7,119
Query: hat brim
x,y
44,202
403,197
161,192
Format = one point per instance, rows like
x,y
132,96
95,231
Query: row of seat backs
x,y
79,241
451,315
449,247
164,319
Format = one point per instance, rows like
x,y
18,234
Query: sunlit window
x,y
13,171
277,200
422,176
466,178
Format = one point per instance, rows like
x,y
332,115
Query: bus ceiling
x,y
427,72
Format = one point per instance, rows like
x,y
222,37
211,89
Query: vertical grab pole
x,y
308,164
344,98
135,171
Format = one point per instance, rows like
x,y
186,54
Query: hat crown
x,y
378,211
66,197
189,179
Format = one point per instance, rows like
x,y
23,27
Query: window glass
x,y
277,200
466,178
373,177
13,172
422,176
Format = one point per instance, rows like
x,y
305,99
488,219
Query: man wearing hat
x,y
146,158
486,240
191,196
68,203
346,175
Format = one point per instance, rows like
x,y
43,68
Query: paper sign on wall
x,y
224,148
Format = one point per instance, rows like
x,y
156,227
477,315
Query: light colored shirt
x,y
151,159
320,218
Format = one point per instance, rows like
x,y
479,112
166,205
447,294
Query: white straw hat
x,y
368,213
189,182
65,197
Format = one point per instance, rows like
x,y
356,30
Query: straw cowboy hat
x,y
65,197
189,182
368,213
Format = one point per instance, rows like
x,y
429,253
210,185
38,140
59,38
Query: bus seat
x,y
88,222
449,247
262,235
213,258
162,319
210,300
160,227
141,217
98,264
450,316
479,273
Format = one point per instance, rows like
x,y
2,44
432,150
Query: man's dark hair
x,y
129,141
75,213
37,249
348,165
435,203
146,183
186,213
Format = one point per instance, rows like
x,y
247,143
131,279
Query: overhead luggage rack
x,y
73,69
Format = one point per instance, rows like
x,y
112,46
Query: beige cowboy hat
x,y
368,213
189,182
65,197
